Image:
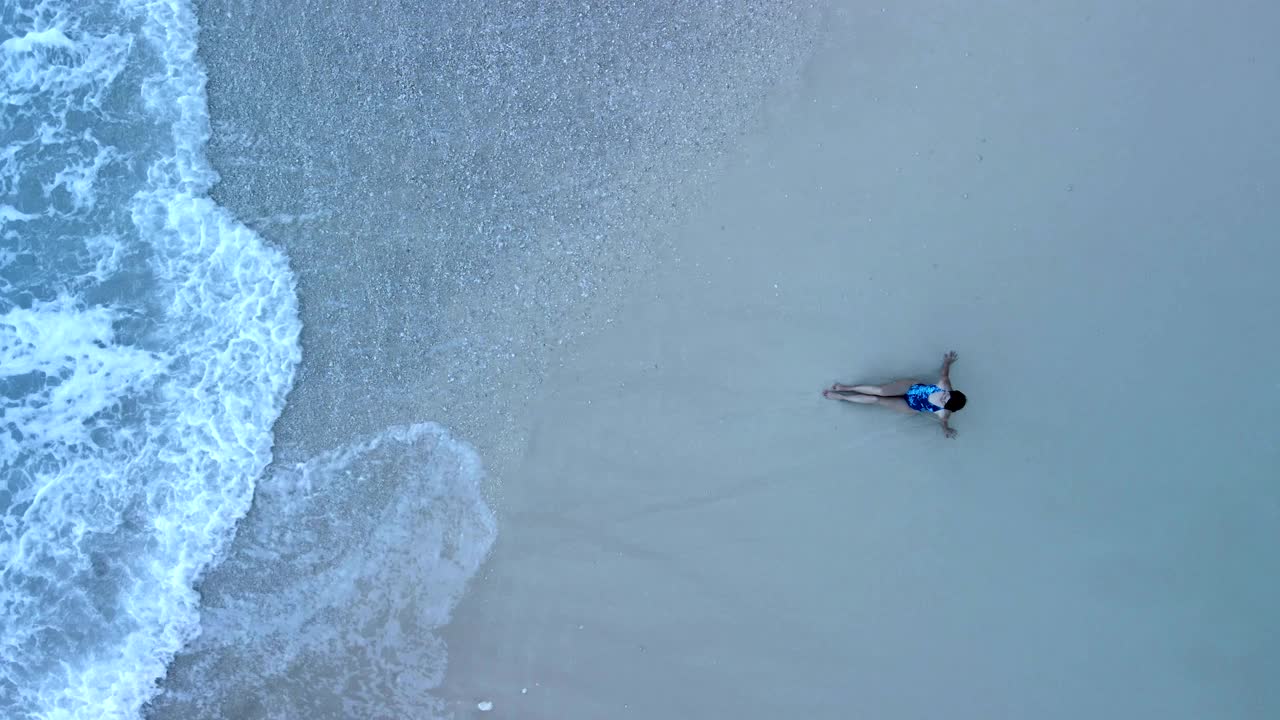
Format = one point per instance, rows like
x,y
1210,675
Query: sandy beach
x,y
692,531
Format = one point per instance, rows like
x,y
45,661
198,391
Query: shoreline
x,y
439,269
416,299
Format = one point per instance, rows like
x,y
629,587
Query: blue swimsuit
x,y
918,397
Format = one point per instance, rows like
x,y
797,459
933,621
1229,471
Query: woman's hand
x,y
950,432
950,358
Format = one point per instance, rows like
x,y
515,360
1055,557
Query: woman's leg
x,y
892,403
897,388
851,397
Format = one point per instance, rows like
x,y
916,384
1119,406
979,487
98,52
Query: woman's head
x,y
955,401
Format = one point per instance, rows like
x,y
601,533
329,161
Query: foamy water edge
x,y
113,525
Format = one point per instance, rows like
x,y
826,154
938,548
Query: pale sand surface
x,y
1075,202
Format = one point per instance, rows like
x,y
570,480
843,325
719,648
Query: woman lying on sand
x,y
909,396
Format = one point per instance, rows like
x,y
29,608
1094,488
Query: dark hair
x,y
957,401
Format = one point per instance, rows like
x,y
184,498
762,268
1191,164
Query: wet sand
x,y
692,531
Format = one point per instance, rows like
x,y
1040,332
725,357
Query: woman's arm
x,y
944,381
946,429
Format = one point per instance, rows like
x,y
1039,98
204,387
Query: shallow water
x,y
454,182
460,189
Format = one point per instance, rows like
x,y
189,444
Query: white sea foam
x,y
144,356
51,36
311,604
76,345
80,178
44,63
8,214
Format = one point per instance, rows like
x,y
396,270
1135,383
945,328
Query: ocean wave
x,y
147,341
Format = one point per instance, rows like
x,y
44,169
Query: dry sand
x,y
693,531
